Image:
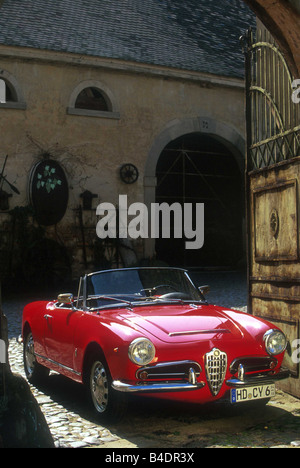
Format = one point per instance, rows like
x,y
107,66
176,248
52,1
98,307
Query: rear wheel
x,y
108,403
35,373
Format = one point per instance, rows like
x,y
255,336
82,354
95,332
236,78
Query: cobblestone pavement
x,y
70,422
160,424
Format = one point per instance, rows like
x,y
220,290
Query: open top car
x,y
151,331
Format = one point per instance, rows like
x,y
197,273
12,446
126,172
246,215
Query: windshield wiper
x,y
110,298
166,300
184,301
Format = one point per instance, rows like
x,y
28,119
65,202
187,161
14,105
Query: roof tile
x,y
198,35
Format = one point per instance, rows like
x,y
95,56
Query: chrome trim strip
x,y
259,380
58,364
157,387
200,332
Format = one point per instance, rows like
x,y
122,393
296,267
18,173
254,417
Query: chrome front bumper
x,y
177,376
259,380
156,387
192,384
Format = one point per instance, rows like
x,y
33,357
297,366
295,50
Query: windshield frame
x,y
83,296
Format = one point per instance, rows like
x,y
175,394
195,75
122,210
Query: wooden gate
x,y
273,181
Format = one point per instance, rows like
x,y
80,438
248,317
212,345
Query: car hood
x,y
186,323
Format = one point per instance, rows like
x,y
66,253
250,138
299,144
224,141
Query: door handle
x,y
47,316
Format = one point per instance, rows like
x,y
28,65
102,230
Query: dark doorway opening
x,y
199,168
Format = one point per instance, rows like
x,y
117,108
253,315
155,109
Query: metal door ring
x,y
274,222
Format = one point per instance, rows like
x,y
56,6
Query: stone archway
x,y
218,131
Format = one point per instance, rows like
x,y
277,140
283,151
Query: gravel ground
x,y
168,425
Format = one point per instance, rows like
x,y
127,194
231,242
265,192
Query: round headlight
x,y
275,342
141,351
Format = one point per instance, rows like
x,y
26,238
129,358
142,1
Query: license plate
x,y
238,395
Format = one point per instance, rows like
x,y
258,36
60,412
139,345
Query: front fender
x,y
33,319
113,339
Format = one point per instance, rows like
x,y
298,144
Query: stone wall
x,y
91,147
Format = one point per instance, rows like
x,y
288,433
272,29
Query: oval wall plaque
x,y
48,192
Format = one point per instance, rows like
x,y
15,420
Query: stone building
x,y
90,87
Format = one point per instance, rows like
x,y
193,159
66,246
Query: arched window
x,y
10,92
2,92
11,95
7,92
93,99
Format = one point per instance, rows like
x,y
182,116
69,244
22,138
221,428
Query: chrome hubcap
x,y
30,359
99,386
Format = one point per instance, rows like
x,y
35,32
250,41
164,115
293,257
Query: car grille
x,y
253,365
178,370
215,366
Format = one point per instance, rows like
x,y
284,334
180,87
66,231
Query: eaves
x,y
117,65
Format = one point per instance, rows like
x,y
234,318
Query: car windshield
x,y
140,285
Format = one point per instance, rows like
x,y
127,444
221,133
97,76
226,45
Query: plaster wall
x,y
91,149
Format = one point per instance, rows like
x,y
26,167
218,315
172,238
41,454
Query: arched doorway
x,y
200,168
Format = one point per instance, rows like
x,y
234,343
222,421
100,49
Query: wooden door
x,y
273,182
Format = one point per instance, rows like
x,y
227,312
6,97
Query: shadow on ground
x,y
166,424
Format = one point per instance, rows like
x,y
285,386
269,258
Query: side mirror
x,y
204,290
66,298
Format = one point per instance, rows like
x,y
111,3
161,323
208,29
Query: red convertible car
x,y
150,331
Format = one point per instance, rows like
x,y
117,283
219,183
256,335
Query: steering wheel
x,y
176,295
164,286
150,291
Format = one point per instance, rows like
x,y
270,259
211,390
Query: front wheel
x,y
107,402
35,373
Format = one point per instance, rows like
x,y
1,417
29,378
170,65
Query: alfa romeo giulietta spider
x,y
151,331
